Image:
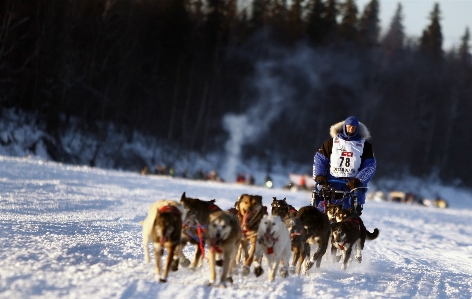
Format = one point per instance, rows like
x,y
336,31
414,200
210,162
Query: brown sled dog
x,y
250,213
318,230
347,233
163,226
194,226
224,237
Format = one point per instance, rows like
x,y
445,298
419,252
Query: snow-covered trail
x,y
74,232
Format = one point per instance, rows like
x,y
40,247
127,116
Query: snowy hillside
x,y
73,232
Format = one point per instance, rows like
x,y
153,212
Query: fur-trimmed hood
x,y
338,128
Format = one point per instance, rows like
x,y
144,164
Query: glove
x,y
354,183
320,179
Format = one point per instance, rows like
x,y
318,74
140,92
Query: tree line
x,y
174,69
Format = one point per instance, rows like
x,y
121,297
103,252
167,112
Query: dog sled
x,y
322,196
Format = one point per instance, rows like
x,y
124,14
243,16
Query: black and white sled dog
x,y
273,243
223,236
348,233
163,226
318,230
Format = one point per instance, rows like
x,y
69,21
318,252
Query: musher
x,y
348,159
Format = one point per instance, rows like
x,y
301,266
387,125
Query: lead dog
x,y
250,213
273,242
163,226
318,230
224,237
347,233
195,223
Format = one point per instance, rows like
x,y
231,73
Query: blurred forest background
x,y
182,71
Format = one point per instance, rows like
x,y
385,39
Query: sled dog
x,y
273,243
347,233
343,214
318,230
224,237
281,208
250,213
163,226
332,210
300,248
194,226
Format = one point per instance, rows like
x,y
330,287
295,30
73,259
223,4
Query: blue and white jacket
x,y
321,163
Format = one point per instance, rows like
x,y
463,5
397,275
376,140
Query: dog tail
x,y
372,236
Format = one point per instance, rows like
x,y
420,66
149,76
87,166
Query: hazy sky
x,y
456,16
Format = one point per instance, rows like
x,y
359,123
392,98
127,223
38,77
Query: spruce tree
x,y
330,19
317,26
395,37
295,18
431,40
464,49
369,24
349,21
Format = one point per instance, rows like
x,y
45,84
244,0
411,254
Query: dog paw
x,y
359,259
291,270
308,265
229,279
246,270
258,271
184,262
219,263
192,267
343,267
162,280
283,273
174,266
222,285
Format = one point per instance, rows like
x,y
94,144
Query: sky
x,y
73,232
456,16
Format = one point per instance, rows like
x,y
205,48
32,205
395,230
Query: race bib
x,y
345,157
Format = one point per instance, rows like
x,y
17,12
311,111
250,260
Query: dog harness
x,y
269,238
170,209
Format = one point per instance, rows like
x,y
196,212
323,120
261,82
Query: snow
x,y
73,232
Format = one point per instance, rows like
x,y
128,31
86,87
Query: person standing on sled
x,y
347,160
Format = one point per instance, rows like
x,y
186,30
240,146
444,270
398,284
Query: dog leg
x,y
296,257
225,271
334,257
308,263
359,251
232,266
250,255
196,258
273,266
146,248
170,258
301,260
346,256
284,269
258,271
211,263
157,256
183,260
175,260
322,246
